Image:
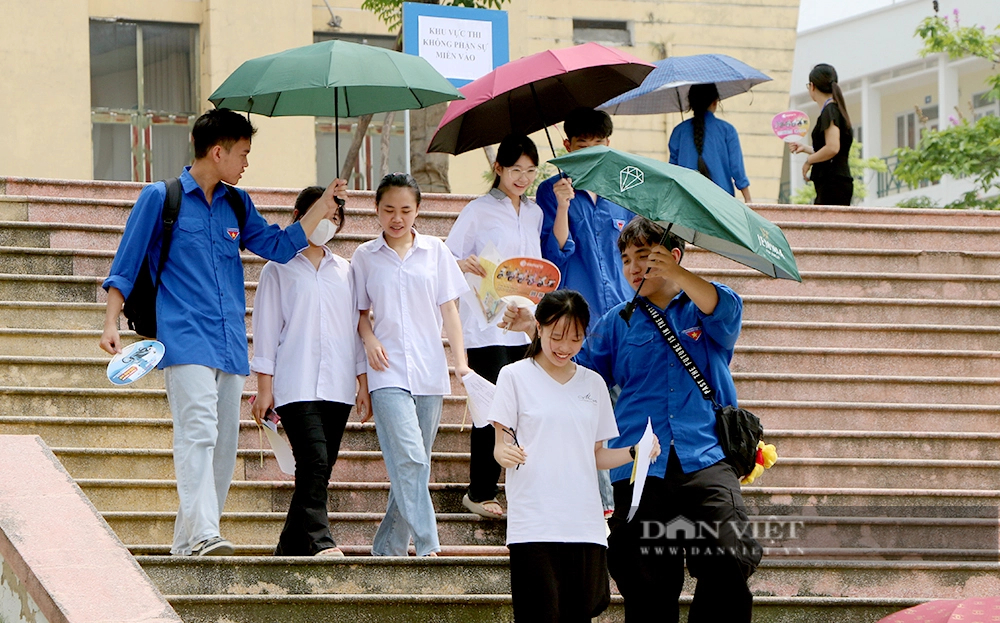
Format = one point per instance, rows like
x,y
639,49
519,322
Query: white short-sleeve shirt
x,y
305,330
554,496
486,219
405,296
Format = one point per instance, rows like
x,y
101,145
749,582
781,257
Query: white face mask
x,y
323,232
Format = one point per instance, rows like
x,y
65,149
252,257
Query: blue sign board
x,y
462,44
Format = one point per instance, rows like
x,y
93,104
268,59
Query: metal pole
x,y
406,138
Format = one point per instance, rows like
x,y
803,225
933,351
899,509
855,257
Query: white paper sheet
x,y
480,393
282,451
642,460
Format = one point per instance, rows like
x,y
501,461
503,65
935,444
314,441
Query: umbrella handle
x,y
340,201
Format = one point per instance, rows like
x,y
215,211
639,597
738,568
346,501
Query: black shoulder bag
x,y
738,430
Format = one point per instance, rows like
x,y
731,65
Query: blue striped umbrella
x,y
665,89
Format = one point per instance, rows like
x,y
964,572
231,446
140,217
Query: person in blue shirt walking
x,y
200,312
708,144
691,506
580,228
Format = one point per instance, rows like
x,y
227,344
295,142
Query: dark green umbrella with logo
x,y
686,202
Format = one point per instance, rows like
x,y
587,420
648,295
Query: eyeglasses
x,y
519,173
510,432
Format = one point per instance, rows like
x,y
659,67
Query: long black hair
x,y
824,79
700,97
307,197
511,148
555,306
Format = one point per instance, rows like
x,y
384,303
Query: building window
x,y
983,106
910,127
143,84
611,32
370,156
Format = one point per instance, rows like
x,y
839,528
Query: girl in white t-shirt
x,y
309,360
409,283
509,220
551,418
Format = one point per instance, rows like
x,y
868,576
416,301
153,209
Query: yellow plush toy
x,y
767,455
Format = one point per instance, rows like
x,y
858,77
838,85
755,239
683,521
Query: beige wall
x,y
45,89
44,50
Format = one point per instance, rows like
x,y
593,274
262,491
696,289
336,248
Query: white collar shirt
x,y
405,296
515,233
305,330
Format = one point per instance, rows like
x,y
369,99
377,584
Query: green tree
x,y
390,12
962,149
858,165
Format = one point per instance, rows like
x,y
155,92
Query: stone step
x,y
40,315
865,361
267,575
854,416
830,387
859,284
491,608
153,433
359,213
855,310
789,531
452,467
109,494
860,310
129,191
60,288
870,335
876,215
879,261
891,236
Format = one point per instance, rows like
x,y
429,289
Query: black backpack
x,y
140,306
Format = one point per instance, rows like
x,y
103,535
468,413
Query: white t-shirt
x,y
406,297
554,496
514,233
305,330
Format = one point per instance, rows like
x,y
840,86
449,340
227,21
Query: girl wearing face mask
x,y
551,418
309,362
507,218
409,283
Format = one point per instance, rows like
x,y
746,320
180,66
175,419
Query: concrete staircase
x,y
877,379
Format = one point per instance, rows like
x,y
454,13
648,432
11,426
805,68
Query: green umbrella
x,y
331,79
686,202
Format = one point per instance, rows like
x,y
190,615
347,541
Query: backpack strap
x,y
171,208
239,208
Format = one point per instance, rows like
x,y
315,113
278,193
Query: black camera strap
x,y
661,323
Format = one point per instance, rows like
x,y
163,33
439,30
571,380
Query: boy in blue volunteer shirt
x,y
695,485
580,228
200,312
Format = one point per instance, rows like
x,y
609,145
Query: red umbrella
x,y
534,92
972,610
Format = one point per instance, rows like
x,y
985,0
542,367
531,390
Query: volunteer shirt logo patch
x,y
234,233
619,223
694,333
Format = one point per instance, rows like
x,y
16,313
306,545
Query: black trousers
x,y
835,191
700,516
484,471
558,582
314,431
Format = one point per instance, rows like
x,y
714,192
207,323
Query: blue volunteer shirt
x,y
590,262
201,303
654,384
721,151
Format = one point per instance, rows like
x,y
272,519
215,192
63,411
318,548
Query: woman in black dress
x,y
831,140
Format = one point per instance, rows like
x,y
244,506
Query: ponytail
x,y
700,97
824,78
